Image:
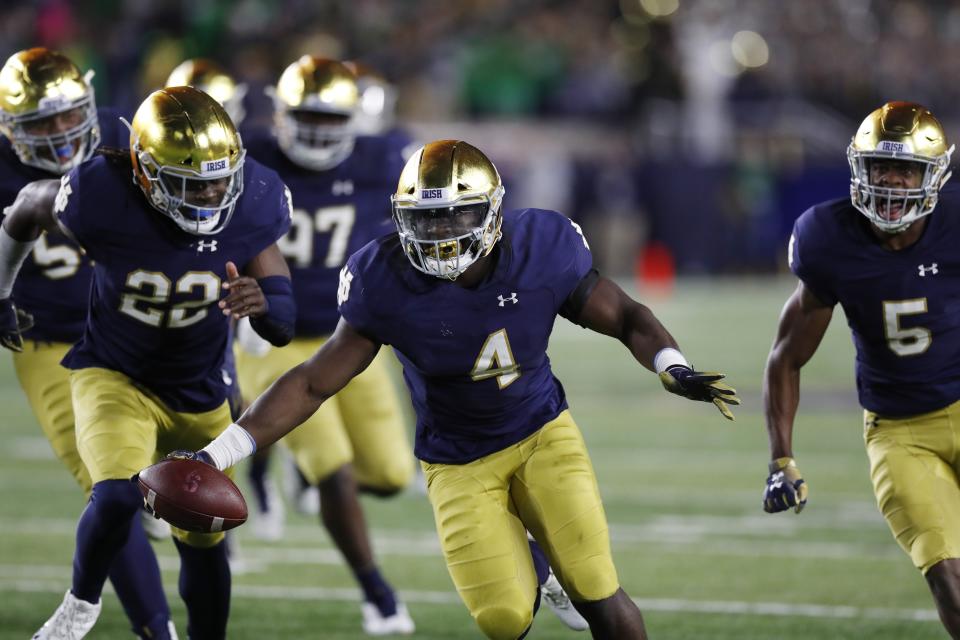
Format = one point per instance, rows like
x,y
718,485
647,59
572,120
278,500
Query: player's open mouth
x,y
890,212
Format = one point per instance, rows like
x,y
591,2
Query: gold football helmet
x,y
47,110
447,207
212,79
188,158
907,132
378,100
315,107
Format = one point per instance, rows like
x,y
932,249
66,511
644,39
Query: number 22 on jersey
x,y
153,295
496,361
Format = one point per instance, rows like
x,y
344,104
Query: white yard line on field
x,y
263,592
688,535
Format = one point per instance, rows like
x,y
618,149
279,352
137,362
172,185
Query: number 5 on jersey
x,y
905,342
496,361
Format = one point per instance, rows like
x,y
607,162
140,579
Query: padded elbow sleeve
x,y
276,326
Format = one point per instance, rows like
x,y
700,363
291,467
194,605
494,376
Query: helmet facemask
x,y
444,240
315,105
57,152
894,209
178,192
317,145
187,158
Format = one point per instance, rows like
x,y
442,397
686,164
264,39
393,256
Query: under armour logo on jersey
x,y
512,298
342,187
206,245
932,269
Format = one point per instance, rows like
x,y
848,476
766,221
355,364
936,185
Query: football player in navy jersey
x,y
893,267
340,184
467,296
146,375
50,124
212,79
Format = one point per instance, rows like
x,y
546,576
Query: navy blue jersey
x,y
903,307
475,360
153,304
54,283
335,213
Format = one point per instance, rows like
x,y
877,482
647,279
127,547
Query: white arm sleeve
x,y
667,358
230,447
12,254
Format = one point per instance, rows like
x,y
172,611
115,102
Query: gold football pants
x,y
46,384
913,465
483,509
362,424
121,429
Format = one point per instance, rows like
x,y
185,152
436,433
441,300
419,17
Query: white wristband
x,y
12,254
667,358
230,447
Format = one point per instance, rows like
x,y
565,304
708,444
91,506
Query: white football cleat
x,y
269,525
557,599
155,528
306,500
72,620
374,624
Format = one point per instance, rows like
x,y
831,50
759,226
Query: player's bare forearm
x,y
269,262
32,211
613,313
286,404
297,394
803,323
781,395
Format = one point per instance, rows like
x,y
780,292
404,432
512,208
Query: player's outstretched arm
x,y
610,311
295,396
803,323
30,214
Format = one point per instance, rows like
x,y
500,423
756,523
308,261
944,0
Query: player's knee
x,y
392,480
590,581
116,500
339,480
198,540
503,623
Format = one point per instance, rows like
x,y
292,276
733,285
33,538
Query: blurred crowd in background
x,y
682,134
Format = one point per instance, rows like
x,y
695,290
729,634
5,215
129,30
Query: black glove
x,y
785,488
183,454
704,386
13,322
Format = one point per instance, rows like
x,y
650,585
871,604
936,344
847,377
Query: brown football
x,y
192,495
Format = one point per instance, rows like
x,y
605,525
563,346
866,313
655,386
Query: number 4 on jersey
x,y
496,361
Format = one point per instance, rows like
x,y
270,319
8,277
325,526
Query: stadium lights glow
x,y
749,49
660,8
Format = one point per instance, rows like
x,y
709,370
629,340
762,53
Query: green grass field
x,y
681,487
